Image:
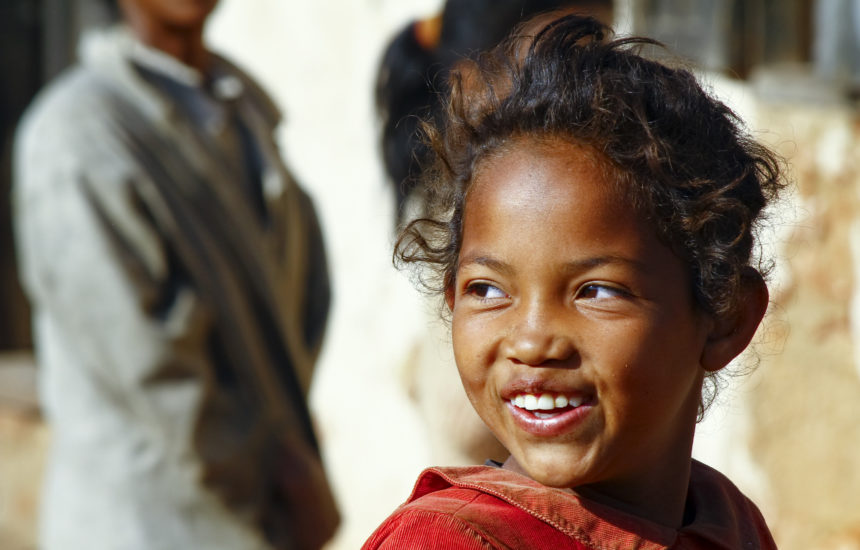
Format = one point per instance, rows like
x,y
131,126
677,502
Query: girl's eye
x,y
485,291
599,292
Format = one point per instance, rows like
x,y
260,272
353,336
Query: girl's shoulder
x,y
482,507
473,507
722,512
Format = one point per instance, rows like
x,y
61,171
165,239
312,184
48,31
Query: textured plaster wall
x,y
805,404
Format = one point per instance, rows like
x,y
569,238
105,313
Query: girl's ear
x,y
731,334
449,297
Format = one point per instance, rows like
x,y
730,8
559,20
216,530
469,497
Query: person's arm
x,y
317,299
95,264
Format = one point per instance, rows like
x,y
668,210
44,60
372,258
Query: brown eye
x,y
485,291
599,292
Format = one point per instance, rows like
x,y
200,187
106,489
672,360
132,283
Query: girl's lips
x,y
538,385
548,423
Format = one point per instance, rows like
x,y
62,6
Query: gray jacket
x,y
177,325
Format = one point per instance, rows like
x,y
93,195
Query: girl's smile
x,y
547,423
543,407
574,327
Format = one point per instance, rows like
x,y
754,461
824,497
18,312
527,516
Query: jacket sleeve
x,y
419,529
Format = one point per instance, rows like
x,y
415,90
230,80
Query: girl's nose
x,y
538,337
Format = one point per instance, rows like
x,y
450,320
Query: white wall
x,y
318,60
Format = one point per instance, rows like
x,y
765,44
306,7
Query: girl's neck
x,y
664,503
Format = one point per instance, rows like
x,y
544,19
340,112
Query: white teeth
x,y
546,402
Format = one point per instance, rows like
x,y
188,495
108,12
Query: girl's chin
x,y
551,475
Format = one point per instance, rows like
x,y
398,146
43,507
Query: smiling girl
x,y
592,229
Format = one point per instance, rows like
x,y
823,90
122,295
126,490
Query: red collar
x,y
724,518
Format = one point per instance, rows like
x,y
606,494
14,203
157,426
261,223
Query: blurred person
x,y
180,295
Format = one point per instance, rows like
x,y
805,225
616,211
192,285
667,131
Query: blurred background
x,y
788,434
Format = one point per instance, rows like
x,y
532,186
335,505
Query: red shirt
x,y
481,507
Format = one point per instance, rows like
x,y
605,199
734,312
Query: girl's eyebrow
x,y
584,264
494,264
574,266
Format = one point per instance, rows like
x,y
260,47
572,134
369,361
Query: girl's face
x,y
574,327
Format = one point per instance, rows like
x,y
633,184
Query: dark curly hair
x,y
680,156
411,78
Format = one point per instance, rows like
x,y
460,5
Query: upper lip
x,y
537,385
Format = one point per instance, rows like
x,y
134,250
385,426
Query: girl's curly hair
x,y
680,156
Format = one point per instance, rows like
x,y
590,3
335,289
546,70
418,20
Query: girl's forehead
x,y
552,190
531,155
539,147
542,177
542,208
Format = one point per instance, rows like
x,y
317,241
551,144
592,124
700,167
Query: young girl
x,y
592,227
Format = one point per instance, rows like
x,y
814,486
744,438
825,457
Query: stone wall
x,y
805,404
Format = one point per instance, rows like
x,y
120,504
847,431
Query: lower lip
x,y
548,427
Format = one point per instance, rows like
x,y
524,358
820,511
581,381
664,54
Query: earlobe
x,y
732,334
